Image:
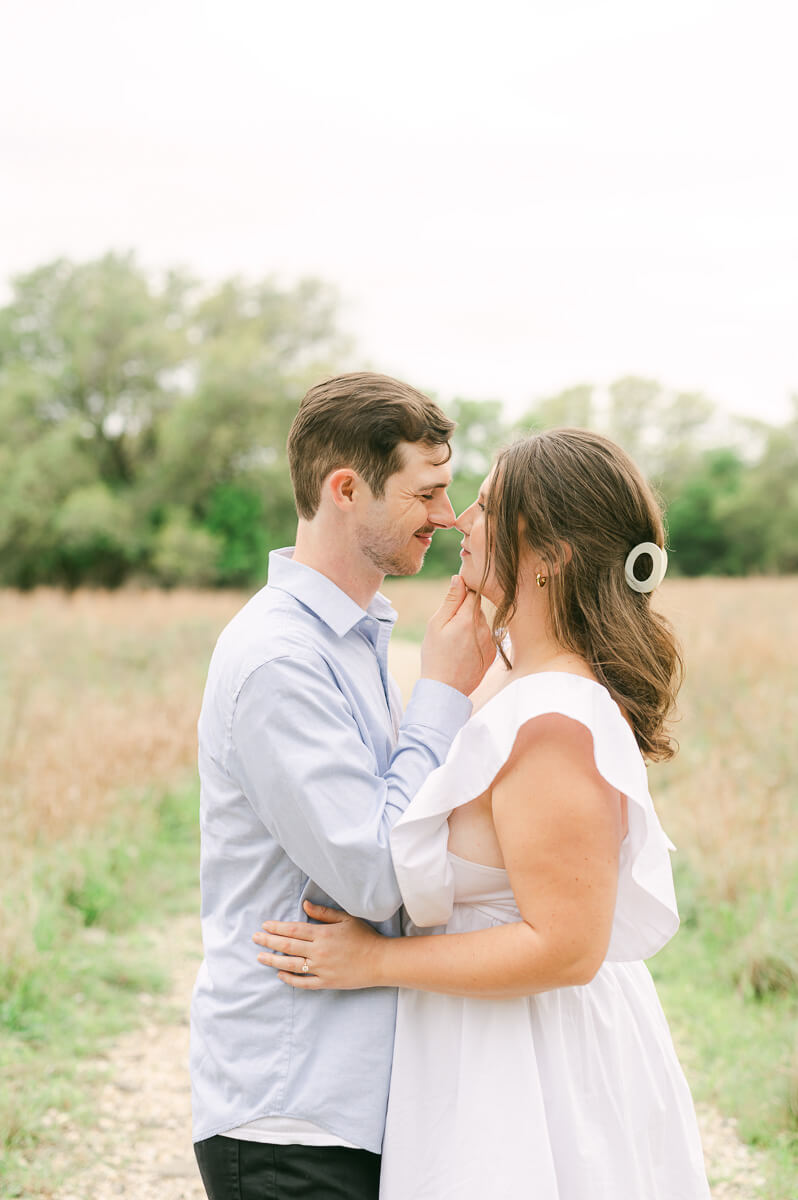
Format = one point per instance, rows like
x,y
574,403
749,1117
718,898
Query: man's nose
x,y
463,522
441,513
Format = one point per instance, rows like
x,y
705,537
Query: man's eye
x,y
427,497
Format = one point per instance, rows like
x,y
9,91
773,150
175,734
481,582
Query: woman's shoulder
x,y
560,697
646,914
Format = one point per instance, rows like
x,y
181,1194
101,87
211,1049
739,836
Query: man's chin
x,y
409,564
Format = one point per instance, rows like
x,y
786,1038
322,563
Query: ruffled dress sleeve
x,y
646,916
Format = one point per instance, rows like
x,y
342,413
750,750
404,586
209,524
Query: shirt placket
x,y
378,634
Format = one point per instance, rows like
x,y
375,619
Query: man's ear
x,y
343,486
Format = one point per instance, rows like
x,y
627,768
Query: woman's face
x,y
471,524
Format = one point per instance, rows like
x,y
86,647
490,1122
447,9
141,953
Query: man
x,y
305,763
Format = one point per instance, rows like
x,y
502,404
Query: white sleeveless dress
x,y
573,1094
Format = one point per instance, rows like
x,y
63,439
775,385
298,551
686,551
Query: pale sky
x,y
512,197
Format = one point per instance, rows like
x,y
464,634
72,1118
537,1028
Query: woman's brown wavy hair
x,y
581,504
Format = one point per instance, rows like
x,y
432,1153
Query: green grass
x,y
78,983
736,1043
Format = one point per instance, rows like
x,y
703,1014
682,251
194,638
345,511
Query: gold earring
x,y
541,580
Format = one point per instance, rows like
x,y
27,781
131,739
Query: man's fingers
x,y
452,600
465,609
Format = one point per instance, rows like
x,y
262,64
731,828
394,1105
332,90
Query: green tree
x,y
762,517
97,540
184,552
678,439
634,410
258,351
145,421
236,517
699,535
35,481
100,339
572,408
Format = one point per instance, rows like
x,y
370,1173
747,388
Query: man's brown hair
x,y
358,421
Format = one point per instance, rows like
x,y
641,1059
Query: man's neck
x,y
342,564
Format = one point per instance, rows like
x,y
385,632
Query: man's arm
x,y
296,751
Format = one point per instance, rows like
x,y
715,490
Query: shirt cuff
x,y
437,706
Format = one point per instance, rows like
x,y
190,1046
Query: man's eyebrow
x,y
432,487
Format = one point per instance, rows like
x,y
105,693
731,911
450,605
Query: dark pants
x,y
236,1170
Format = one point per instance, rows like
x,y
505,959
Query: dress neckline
x,y
469,862
540,675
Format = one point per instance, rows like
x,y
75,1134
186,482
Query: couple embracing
x,y
454,901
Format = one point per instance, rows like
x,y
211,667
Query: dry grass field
x,y
99,693
99,696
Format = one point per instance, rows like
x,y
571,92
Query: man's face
x,y
396,531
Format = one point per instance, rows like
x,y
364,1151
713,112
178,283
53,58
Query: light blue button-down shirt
x,y
305,763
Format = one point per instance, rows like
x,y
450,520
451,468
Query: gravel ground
x,y
140,1144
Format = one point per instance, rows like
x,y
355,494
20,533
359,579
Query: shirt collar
x,y
321,595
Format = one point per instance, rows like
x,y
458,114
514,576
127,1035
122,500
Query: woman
x,y
532,1056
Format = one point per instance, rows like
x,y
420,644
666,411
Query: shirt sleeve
x,y
297,753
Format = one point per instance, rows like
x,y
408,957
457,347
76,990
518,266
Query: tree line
x,y
144,422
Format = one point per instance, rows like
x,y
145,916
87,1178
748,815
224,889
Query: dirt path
x,y
140,1144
